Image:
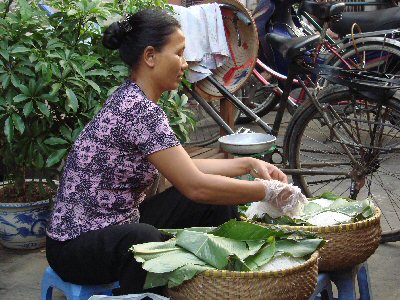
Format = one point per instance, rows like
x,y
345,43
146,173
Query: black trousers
x,y
103,256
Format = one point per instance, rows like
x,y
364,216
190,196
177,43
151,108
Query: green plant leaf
x,y
9,129
55,88
28,108
55,141
56,157
6,81
94,85
15,81
96,72
25,71
78,68
43,108
20,98
66,132
38,161
20,49
18,123
25,90
5,54
73,101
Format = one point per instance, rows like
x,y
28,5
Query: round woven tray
x,y
348,244
295,283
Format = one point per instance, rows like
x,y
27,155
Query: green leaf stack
x,y
233,246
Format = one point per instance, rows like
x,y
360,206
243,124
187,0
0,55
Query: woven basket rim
x,y
261,274
339,227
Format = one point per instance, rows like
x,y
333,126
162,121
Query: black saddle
x,y
289,47
324,11
388,18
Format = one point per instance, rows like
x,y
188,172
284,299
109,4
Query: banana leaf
x,y
212,249
261,257
299,248
245,231
175,278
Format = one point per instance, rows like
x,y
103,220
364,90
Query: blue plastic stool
x,y
72,291
323,289
345,283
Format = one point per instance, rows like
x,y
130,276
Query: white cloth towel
x,y
206,44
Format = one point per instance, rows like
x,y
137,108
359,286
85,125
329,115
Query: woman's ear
x,y
149,56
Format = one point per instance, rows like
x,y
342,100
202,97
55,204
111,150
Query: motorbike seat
x,y
324,11
388,18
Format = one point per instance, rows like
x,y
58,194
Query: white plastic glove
x,y
281,199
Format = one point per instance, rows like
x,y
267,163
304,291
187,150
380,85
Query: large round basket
x,y
236,69
347,244
295,283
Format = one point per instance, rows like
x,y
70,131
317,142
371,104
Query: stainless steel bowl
x,y
246,143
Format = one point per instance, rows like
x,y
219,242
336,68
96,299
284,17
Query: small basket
x,y
347,244
298,282
236,69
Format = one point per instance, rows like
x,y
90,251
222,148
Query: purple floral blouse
x,y
107,170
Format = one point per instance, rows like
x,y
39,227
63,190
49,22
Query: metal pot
x,y
246,143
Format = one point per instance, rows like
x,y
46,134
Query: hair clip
x,y
125,24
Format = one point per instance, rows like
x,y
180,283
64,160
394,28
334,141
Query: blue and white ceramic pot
x,y
23,225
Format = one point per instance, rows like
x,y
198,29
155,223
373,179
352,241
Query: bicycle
x,y
262,95
345,141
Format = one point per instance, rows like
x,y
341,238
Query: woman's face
x,y
170,63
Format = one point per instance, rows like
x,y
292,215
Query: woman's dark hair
x,y
149,27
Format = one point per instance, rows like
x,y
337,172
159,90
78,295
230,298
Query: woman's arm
x,y
240,166
179,169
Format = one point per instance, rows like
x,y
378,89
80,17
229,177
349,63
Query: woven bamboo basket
x,y
347,244
295,283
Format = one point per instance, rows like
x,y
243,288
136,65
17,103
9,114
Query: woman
x,y
96,216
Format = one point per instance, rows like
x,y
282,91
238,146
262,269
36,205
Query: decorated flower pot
x,y
23,225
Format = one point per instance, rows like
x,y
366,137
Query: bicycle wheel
x,y
207,131
380,57
373,139
260,99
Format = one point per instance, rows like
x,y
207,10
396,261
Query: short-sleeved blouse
x,y
107,171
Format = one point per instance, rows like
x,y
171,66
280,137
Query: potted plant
x,y
54,77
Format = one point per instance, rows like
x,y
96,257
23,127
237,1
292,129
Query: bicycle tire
x,y
263,101
207,131
382,55
312,145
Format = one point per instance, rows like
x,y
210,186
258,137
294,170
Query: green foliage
x,y
181,118
234,246
55,76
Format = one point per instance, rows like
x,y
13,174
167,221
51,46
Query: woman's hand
x,y
263,170
282,199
